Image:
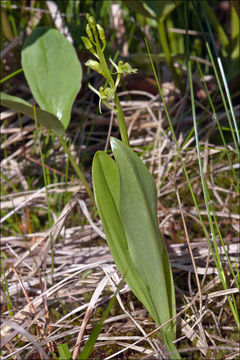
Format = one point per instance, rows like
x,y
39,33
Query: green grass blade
x,y
234,175
207,201
76,167
236,132
219,128
64,352
10,75
5,288
88,348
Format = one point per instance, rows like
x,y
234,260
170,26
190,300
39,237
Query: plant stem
x,y
103,63
121,121
43,166
76,168
120,116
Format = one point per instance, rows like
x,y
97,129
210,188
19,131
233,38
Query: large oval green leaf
x,y
138,212
126,198
53,71
106,184
44,118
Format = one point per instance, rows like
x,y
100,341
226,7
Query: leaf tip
x,y
113,142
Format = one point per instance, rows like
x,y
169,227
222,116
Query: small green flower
x,y
107,93
123,68
104,95
127,69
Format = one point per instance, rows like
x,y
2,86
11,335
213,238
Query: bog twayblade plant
x,y
54,75
126,198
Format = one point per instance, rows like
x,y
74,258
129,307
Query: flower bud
x,y
94,65
91,20
89,33
87,42
101,33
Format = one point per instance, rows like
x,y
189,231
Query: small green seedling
x,y
126,198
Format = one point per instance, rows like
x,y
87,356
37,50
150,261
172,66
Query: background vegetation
x,y
182,112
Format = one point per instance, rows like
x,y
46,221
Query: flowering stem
x,y
120,116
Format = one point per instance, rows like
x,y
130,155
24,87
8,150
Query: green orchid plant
x,y
126,199
124,190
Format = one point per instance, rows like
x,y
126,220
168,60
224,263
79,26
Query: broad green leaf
x,y
64,352
138,211
106,185
43,117
53,71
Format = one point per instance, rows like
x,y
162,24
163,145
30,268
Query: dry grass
x,y
60,278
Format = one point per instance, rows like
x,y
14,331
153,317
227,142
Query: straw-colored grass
x,y
49,292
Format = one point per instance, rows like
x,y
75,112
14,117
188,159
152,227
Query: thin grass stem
x,y
11,75
207,199
215,254
76,168
43,165
218,124
5,288
219,82
173,181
